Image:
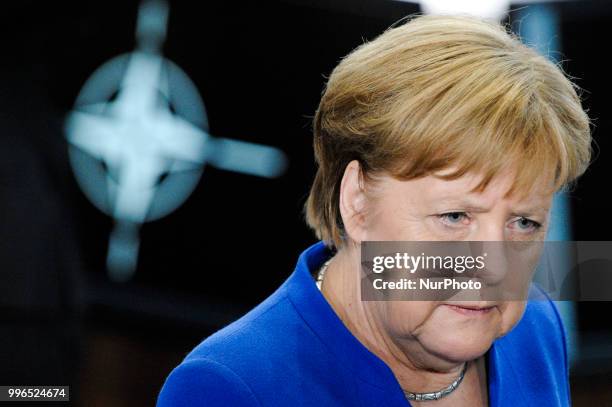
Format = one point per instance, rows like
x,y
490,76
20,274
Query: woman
x,y
444,128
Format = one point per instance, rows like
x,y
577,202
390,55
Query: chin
x,y
457,336
457,346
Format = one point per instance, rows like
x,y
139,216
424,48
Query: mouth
x,y
471,310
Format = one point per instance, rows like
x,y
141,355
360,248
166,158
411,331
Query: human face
x,y
433,209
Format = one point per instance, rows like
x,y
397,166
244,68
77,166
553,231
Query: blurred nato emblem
x,y
138,140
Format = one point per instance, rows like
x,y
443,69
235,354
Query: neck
x,y
414,368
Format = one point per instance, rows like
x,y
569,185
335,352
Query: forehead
x,y
462,191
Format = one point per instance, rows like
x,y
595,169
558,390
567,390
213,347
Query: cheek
x,y
386,221
511,315
380,224
403,319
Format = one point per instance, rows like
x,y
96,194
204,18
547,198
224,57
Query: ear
x,y
352,202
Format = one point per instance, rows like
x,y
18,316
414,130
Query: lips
x,y
471,309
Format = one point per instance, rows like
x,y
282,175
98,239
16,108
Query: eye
x,y
454,218
526,225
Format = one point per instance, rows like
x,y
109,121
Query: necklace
x,y
435,395
321,273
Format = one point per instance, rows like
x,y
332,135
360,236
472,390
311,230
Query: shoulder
x,y
204,382
241,360
264,331
542,327
537,347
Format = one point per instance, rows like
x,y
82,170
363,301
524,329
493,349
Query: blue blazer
x,y
293,350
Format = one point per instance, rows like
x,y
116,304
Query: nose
x,y
490,230
488,242
496,262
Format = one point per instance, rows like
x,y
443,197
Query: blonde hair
x,y
445,92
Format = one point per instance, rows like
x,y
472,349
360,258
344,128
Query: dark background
x,y
260,68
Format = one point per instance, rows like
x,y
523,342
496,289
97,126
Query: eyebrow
x,y
467,205
464,204
527,212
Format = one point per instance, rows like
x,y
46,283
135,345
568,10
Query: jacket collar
x,y
322,319
350,352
